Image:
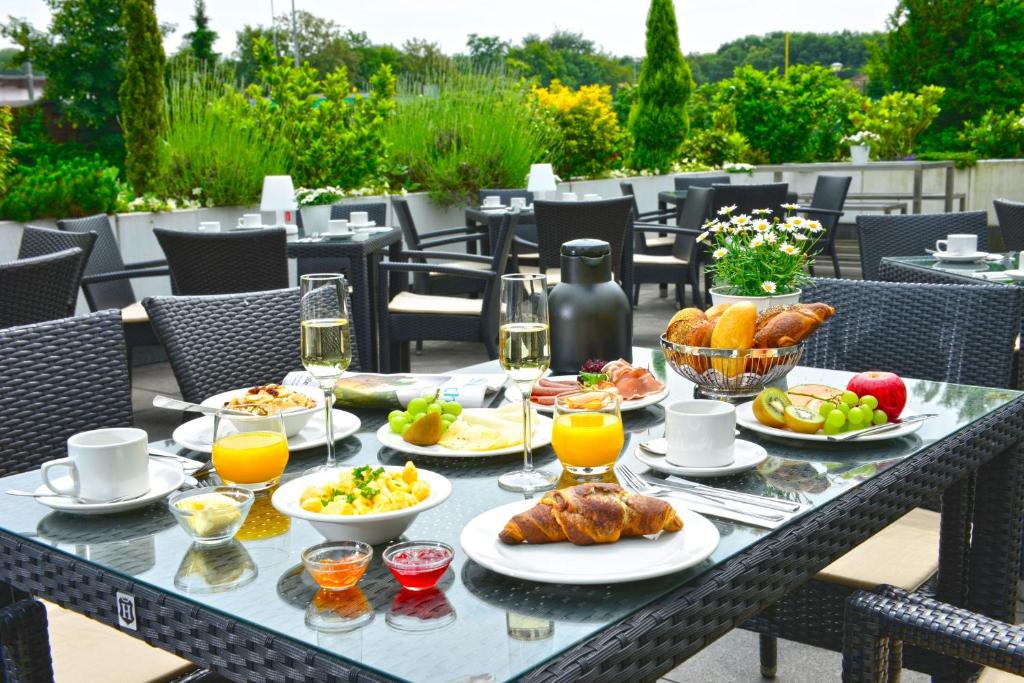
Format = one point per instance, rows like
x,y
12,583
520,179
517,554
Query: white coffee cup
x,y
492,200
591,197
517,202
569,197
338,226
209,226
104,464
700,433
250,220
359,218
958,244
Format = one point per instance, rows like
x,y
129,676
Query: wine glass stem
x,y
526,391
329,423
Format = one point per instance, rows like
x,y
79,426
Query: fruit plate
x,y
541,437
629,559
512,395
745,418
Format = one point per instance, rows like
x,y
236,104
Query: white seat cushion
x,y
903,554
658,259
666,241
134,314
528,256
86,651
554,274
407,302
989,675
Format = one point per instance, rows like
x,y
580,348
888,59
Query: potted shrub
x,y
759,258
860,145
315,205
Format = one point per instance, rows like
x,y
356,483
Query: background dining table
x,y
480,625
479,219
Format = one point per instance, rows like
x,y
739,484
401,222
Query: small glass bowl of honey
x,y
337,565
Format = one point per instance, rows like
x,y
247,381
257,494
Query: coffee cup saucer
x,y
969,257
165,477
746,456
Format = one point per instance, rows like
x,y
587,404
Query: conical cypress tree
x,y
143,117
658,119
201,40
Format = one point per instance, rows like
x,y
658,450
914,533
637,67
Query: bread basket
x,y
730,373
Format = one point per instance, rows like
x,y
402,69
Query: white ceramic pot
x,y
719,295
315,218
860,154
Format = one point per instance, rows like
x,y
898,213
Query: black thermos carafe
x,y
591,316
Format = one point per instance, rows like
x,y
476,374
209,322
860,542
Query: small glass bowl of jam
x,y
418,565
337,565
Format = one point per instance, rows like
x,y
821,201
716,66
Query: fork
x,y
644,488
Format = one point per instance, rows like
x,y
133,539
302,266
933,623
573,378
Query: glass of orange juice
x,y
250,451
587,436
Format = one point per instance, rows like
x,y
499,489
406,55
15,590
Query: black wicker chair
x,y
41,241
943,333
227,341
1011,223
682,182
656,243
41,288
746,198
910,235
827,207
878,624
225,262
25,643
410,316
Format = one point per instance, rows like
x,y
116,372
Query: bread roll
x,y
735,329
701,334
682,323
716,311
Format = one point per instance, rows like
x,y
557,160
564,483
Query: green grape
x,y
448,418
856,418
397,421
430,397
831,429
434,408
418,417
836,418
869,401
417,406
396,412
405,428
850,398
879,417
867,412
825,408
843,408
445,426
452,408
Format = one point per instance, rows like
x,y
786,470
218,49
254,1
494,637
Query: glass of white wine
x,y
326,341
524,351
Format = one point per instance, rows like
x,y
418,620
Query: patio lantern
x,y
279,197
541,180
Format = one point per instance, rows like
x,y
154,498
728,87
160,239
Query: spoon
x,y
176,404
32,494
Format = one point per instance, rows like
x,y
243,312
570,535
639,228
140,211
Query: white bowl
x,y
372,528
294,420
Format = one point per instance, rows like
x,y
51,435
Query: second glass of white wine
x,y
524,351
326,342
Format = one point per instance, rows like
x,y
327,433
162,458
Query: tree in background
x,y
568,57
423,60
658,119
200,40
487,53
321,43
142,94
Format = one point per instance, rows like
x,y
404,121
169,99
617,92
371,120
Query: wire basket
x,y
730,373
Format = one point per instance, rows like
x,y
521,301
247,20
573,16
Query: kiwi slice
x,y
803,420
770,407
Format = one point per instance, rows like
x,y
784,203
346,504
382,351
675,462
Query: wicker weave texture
x,y
603,219
228,341
226,262
910,235
42,241
747,198
24,643
59,378
1011,223
40,288
105,258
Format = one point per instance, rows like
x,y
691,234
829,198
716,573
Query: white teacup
x,y
338,226
591,197
700,433
104,464
250,220
359,218
569,197
209,226
492,200
958,244
517,202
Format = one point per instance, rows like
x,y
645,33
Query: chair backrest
x,y
683,182
1011,223
603,219
105,258
59,378
225,262
410,235
375,211
227,341
499,262
41,241
693,214
880,236
627,191
829,193
506,195
40,288
746,198
945,333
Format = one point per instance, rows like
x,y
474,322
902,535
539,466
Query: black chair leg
x,y
835,263
680,295
811,270
492,348
419,347
636,295
663,290
769,656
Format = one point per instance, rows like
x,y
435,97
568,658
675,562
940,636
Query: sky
x,y
617,26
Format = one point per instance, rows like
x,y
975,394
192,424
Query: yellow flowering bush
x,y
589,139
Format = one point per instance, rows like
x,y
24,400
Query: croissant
x,y
590,513
790,325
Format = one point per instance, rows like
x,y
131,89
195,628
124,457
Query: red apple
x,y
887,387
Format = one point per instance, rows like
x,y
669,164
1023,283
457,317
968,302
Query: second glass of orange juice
x,y
251,452
587,435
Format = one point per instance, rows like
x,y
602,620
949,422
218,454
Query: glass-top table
x,y
253,596
993,269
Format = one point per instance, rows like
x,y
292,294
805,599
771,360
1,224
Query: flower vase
x,y
722,295
315,218
860,154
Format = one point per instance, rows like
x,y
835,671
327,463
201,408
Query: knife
x,y
737,496
882,428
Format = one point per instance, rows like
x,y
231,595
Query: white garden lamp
x,y
279,197
541,180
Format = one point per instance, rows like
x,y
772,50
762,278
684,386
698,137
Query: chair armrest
x,y
655,215
146,264
642,227
525,242
452,231
478,237
824,212
124,275
402,267
450,255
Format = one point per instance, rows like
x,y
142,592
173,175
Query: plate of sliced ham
x,y
637,387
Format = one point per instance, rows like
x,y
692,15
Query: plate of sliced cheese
x,y
478,432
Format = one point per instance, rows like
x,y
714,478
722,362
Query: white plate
x,y
197,434
541,437
960,258
745,418
629,559
165,477
512,394
340,236
1017,275
747,456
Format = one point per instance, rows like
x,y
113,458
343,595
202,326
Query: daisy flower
x,y
703,236
761,225
715,227
796,221
757,241
761,212
771,237
789,207
800,237
725,210
741,220
720,252
814,226
788,249
768,286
